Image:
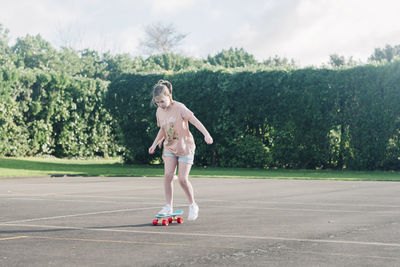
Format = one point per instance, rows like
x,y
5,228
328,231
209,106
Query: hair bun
x,y
167,84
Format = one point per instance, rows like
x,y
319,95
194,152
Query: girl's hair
x,y
162,88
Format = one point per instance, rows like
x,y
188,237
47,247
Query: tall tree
x,y
389,53
161,38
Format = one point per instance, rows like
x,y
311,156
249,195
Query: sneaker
x,y
193,212
167,209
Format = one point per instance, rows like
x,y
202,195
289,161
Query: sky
x,y
307,31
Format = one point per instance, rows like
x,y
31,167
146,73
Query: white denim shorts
x,y
186,159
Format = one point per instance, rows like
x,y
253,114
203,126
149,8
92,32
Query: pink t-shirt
x,y
174,123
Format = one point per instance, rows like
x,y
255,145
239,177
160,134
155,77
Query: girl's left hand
x,y
208,139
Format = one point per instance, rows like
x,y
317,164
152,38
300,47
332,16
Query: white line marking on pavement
x,y
26,196
12,238
181,244
303,203
81,201
308,210
77,215
342,254
341,242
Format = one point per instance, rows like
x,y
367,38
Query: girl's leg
x,y
170,164
183,174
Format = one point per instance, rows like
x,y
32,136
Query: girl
x,y
172,118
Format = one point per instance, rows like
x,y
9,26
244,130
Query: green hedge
x,y
50,113
308,118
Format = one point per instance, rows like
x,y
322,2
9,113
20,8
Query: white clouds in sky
x,y
350,28
305,30
170,7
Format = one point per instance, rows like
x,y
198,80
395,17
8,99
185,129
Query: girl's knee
x,y
183,181
169,176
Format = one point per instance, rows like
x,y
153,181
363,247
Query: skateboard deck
x,y
166,219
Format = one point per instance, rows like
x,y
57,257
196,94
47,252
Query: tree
x,y
389,53
174,62
161,38
232,58
93,64
34,52
5,51
3,38
71,61
277,62
115,65
337,61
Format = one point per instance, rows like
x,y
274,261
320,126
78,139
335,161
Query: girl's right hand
x,y
152,149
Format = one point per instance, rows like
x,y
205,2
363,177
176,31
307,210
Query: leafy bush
x,y
51,113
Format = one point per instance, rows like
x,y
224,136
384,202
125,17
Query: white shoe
x,y
193,212
167,209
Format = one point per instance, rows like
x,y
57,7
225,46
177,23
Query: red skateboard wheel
x,y
155,222
170,220
180,220
165,222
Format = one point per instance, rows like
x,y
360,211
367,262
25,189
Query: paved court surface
x,y
91,221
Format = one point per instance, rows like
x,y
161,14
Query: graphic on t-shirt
x,y
171,134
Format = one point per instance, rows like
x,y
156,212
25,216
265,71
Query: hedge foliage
x,y
70,103
44,112
304,118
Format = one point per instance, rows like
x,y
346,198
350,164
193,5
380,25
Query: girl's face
x,y
163,101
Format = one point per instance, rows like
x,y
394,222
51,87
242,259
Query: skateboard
x,y
166,219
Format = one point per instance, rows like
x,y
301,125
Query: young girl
x,y
172,118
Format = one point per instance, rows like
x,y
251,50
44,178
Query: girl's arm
x,y
207,137
157,141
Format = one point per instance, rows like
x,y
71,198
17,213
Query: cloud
x,y
350,28
311,30
130,39
256,27
34,17
305,30
163,7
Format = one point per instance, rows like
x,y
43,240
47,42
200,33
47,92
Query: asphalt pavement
x,y
98,221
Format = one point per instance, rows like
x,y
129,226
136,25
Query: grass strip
x,y
48,166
